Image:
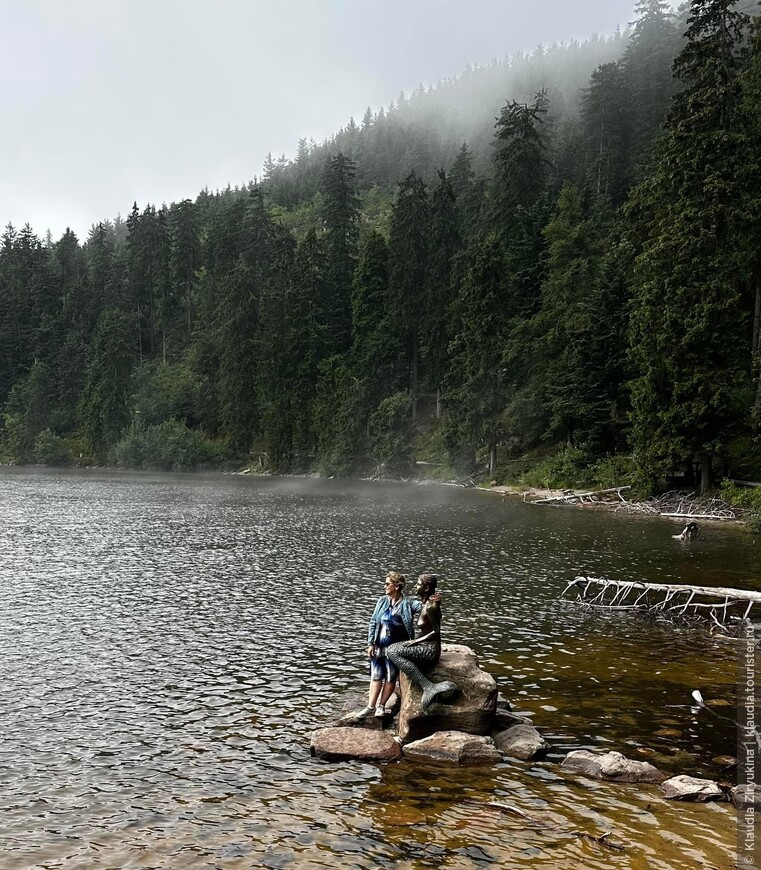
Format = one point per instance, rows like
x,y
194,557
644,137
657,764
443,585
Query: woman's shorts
x,y
382,668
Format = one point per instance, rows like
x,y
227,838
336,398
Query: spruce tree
x,y
690,391
341,218
408,264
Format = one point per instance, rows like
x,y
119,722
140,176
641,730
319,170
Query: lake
x,y
170,641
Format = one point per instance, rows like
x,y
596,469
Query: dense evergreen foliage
x,y
557,249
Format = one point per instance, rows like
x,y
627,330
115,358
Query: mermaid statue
x,y
413,657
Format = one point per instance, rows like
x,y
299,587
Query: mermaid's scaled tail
x,y
402,656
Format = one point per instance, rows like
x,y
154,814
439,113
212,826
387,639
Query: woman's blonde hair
x,y
396,578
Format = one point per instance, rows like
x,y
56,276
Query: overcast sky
x,y
103,102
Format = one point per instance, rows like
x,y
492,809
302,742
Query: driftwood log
x,y
721,605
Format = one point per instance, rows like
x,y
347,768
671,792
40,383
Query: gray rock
x,y
355,720
746,796
340,744
611,766
583,761
619,768
454,747
504,719
689,788
521,741
471,711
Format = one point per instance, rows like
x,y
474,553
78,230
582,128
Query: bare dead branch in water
x,y
727,609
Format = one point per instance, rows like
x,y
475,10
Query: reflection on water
x,y
168,643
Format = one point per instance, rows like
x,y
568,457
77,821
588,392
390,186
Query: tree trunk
x,y
413,383
705,473
756,328
438,402
492,459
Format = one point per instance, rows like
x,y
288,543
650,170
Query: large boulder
x,y
471,711
612,766
454,747
340,744
690,788
521,741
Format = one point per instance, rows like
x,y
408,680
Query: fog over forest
x,y
131,100
543,269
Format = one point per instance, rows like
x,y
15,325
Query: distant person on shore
x,y
413,656
393,621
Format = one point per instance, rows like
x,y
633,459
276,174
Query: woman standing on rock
x,y
412,656
392,622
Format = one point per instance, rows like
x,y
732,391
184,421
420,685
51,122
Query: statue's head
x,y
426,584
394,581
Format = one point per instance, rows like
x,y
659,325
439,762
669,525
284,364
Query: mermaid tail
x,y
409,659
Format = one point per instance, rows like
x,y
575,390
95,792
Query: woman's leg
x,y
388,691
375,691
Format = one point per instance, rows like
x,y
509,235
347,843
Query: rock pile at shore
x,y
468,729
476,728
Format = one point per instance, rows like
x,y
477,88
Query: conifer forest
x,y
555,254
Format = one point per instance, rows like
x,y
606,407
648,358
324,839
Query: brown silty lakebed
x,y
169,642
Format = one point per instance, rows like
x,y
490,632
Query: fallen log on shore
x,y
722,605
591,496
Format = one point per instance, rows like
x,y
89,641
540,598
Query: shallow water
x,y
169,642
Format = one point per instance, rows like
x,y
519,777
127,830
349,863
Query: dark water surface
x,y
168,643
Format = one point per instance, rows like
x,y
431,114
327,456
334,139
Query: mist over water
x,y
169,642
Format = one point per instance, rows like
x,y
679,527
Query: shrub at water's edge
x,y
167,446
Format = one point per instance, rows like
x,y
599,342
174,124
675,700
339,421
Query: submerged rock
x,y
521,741
471,711
341,744
690,788
744,796
612,766
454,747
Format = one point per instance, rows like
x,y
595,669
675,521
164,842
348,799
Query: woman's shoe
x,y
380,712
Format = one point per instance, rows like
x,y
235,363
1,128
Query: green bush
x,y
50,449
168,446
571,468
748,497
566,469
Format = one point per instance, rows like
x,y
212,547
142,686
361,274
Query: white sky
x,y
103,102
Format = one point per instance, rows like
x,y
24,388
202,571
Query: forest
x,y
556,256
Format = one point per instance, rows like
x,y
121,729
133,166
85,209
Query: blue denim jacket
x,y
409,611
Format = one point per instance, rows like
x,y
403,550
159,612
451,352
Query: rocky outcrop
x,y
612,766
454,747
340,744
521,741
689,788
471,711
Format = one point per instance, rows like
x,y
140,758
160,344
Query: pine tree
x,y
605,115
408,263
690,390
104,409
574,369
184,255
520,161
341,217
307,342
647,64
474,394
444,244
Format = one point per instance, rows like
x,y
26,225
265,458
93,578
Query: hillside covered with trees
x,y
561,249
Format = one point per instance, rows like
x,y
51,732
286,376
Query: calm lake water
x,y
169,642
